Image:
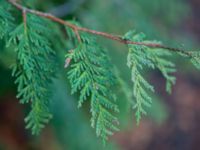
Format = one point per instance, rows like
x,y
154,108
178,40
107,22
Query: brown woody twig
x,y
104,34
24,20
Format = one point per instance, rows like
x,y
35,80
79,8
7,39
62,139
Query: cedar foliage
x,y
89,71
91,75
33,69
139,58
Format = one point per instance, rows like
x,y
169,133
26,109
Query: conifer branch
x,y
90,70
104,34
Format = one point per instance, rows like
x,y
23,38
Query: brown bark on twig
x,y
103,34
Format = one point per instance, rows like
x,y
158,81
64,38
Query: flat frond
x,y
34,70
91,76
196,59
139,58
6,19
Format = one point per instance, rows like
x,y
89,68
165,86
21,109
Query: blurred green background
x,y
172,122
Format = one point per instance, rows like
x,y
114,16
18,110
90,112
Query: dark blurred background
x,y
173,122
